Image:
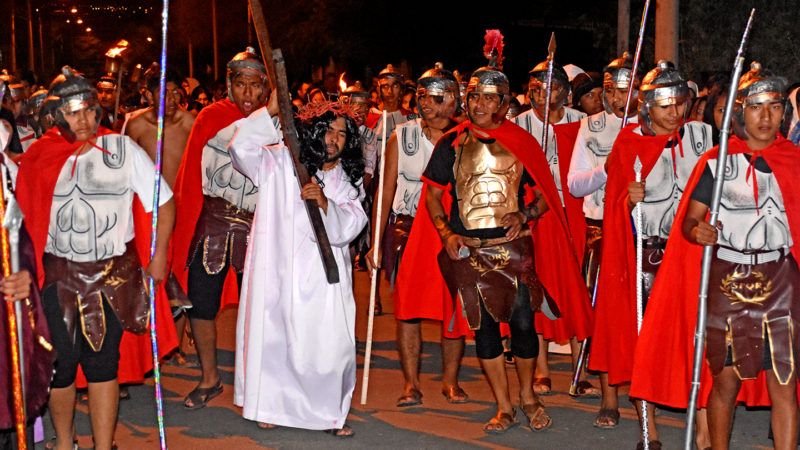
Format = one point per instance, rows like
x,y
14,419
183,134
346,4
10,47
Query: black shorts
x,y
97,366
205,290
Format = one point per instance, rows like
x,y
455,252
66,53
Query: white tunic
x,y
413,153
533,125
295,333
587,174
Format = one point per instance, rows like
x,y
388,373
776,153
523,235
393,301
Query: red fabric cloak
x,y
615,330
188,192
663,360
576,312
553,247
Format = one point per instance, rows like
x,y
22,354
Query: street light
x,y
88,29
74,10
79,21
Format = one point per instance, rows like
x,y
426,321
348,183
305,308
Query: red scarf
x,y
188,188
553,246
663,359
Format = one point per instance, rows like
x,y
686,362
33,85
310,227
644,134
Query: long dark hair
x,y
314,152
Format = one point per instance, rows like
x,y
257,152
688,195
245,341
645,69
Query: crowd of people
x,y
513,220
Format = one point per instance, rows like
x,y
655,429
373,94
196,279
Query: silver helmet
x,y
71,92
438,82
617,75
539,72
662,86
758,86
246,60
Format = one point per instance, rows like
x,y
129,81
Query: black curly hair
x,y
314,152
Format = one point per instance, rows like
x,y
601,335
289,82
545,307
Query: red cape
x,y
552,243
188,191
615,329
663,361
576,312
36,181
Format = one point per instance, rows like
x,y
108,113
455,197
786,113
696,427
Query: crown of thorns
x,y
311,111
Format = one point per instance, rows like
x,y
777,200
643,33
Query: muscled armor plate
x,y
665,182
487,183
743,229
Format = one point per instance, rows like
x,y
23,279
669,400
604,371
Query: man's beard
x,y
333,157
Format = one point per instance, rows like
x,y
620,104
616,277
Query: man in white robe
x,y
295,341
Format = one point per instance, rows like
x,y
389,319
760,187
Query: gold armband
x,y
442,227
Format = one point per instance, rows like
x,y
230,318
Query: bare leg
x,y
542,368
452,352
610,398
495,370
62,413
784,411
525,368
205,339
702,439
721,405
180,329
409,344
651,420
575,350
103,407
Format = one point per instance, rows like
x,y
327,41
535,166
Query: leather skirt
x,y
222,232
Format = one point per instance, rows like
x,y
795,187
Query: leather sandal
x,y
585,389
543,386
410,398
454,394
500,423
606,419
266,425
344,432
199,397
538,419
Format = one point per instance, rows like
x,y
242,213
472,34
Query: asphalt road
x,y
379,424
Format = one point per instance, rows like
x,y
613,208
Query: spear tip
x,y
551,47
637,164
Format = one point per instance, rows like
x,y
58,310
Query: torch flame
x,y
116,51
342,84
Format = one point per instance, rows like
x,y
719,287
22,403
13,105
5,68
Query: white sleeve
x,y
345,217
370,150
143,178
251,136
583,178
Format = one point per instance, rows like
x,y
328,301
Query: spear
x,y
637,54
11,217
9,242
548,89
637,170
375,280
154,231
700,328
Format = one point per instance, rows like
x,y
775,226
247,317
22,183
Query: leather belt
x,y
735,256
480,243
654,243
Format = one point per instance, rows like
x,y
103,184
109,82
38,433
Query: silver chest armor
x,y
600,132
220,179
743,229
535,127
413,152
91,203
664,185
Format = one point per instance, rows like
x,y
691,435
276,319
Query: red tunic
x,y
552,243
188,191
663,359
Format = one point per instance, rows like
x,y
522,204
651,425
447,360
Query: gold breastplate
x,y
487,183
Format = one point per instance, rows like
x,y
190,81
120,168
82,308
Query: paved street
x,y
379,424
